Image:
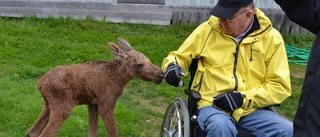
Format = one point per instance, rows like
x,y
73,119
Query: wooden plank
x,y
303,31
88,1
203,16
176,18
26,4
83,5
277,22
162,2
270,16
185,18
286,25
294,28
193,18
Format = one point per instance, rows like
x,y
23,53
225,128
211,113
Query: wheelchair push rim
x,y
176,120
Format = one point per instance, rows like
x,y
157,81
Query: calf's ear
x,y
116,51
124,45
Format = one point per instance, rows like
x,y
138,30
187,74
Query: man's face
x,y
238,23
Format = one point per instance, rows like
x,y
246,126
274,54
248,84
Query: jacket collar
x,y
255,26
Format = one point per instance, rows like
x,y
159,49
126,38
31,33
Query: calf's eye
x,y
139,65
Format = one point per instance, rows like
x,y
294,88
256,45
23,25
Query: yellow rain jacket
x,y
260,71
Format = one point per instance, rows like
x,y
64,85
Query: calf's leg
x,y
93,120
59,112
107,115
41,122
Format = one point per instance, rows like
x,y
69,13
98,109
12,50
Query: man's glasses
x,y
230,19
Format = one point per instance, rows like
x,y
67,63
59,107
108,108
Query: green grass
x,y
29,47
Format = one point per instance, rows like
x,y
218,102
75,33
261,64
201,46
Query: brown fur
x,y
96,83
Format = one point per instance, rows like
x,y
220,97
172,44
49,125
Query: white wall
x,y
103,1
201,3
211,3
191,2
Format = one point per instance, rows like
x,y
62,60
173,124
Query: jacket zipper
x,y
235,66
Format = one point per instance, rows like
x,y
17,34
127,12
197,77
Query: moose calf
x,y
96,83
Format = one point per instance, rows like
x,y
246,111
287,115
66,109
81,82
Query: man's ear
x,y
249,14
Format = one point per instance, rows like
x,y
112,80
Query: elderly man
x,y
242,70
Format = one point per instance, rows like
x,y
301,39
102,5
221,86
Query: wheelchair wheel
x,y
176,120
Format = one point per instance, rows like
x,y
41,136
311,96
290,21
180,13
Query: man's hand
x,y
172,75
228,101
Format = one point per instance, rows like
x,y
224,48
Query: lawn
x,y
29,47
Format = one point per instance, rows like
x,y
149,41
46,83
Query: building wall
x,y
210,3
102,1
207,3
134,11
201,3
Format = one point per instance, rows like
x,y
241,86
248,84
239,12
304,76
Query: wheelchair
x,y
180,119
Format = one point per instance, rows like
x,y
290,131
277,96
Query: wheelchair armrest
x,y
194,95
